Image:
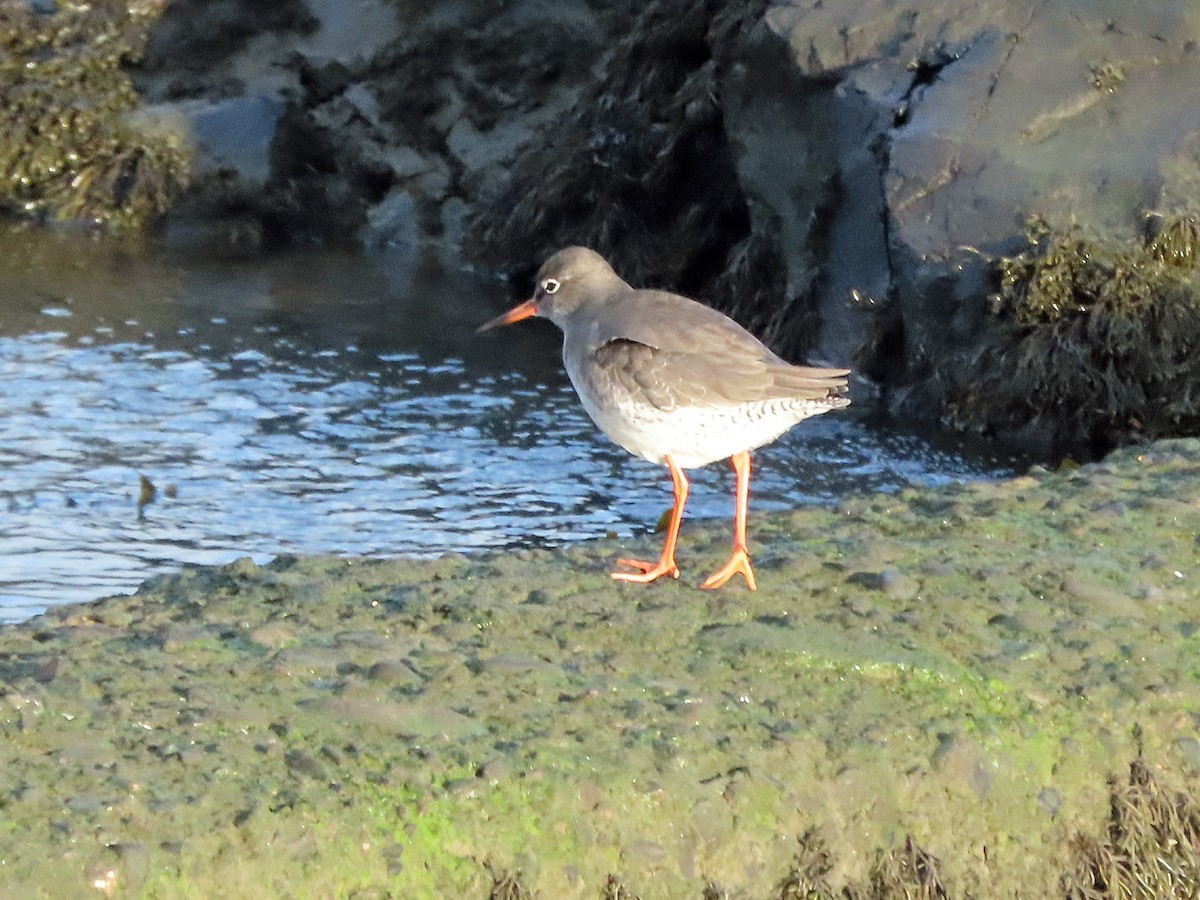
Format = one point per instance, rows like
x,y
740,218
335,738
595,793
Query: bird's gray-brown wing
x,y
672,351
714,374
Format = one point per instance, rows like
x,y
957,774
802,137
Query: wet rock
x,y
859,605
84,804
69,150
233,136
393,221
1098,598
495,770
890,581
1189,749
179,636
300,762
645,855
47,670
1114,509
274,634
940,568
395,673
477,150
511,664
1010,625
1049,800
408,719
123,871
342,106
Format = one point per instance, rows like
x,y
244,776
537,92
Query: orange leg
x,y
740,560
666,562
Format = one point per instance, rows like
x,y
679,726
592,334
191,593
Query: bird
x,y
675,382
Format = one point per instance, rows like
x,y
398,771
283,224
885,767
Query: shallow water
x,y
323,402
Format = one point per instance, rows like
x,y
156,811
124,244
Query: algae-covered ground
x,y
949,680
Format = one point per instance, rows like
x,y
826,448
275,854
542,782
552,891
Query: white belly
x,y
696,436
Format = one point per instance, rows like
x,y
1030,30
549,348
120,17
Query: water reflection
x,y
320,403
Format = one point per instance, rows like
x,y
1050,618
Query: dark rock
x,y
1050,800
988,209
397,673
890,581
300,762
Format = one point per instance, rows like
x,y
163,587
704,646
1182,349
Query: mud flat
x,y
948,682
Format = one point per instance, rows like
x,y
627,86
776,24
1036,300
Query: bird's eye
x,y
550,286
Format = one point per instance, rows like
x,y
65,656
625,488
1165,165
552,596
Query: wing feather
x,y
625,370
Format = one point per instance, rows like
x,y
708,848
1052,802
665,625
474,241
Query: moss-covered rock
x,y
1062,276
68,150
1097,341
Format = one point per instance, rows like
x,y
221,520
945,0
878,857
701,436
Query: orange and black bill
x,y
516,314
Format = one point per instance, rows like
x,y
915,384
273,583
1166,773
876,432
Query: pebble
x,y
395,673
410,719
274,634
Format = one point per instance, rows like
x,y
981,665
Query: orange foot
x,y
649,571
738,562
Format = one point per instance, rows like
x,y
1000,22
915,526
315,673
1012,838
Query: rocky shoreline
x,y
865,185
939,692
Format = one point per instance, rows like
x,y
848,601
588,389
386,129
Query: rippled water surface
x,y
320,403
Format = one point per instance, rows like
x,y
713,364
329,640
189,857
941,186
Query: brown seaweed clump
x,y
1175,240
508,885
68,151
1151,849
618,174
1101,342
906,871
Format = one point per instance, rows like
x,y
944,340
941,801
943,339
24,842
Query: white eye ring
x,y
550,286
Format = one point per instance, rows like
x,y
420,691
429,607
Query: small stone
x,y
859,605
1189,749
83,804
300,762
274,634
1098,597
896,584
415,720
47,670
645,854
938,569
1049,800
394,672
242,567
890,581
495,770
179,635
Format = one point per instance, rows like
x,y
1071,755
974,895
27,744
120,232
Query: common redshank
x,y
675,382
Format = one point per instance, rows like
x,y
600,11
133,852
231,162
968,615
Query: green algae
x,y
69,150
927,693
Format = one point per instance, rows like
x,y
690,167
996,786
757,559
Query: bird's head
x,y
569,279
